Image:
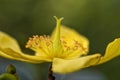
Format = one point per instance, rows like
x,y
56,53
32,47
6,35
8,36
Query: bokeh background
x,y
98,20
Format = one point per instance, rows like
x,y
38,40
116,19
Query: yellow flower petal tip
x,y
7,41
65,48
112,51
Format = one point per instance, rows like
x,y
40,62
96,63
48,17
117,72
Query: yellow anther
x,y
38,41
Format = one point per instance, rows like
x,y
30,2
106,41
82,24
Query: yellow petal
x,y
15,58
69,35
9,53
7,41
112,51
65,66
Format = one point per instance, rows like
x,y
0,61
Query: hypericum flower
x,y
65,48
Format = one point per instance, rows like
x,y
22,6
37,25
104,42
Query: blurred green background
x,y
98,20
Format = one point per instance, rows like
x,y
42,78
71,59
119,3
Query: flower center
x,y
43,46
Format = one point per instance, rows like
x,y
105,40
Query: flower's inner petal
x,y
65,66
7,41
112,51
74,40
72,53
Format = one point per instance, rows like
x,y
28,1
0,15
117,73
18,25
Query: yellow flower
x,y
65,48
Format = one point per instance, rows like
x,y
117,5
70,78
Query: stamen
x,y
78,45
38,42
75,46
32,41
